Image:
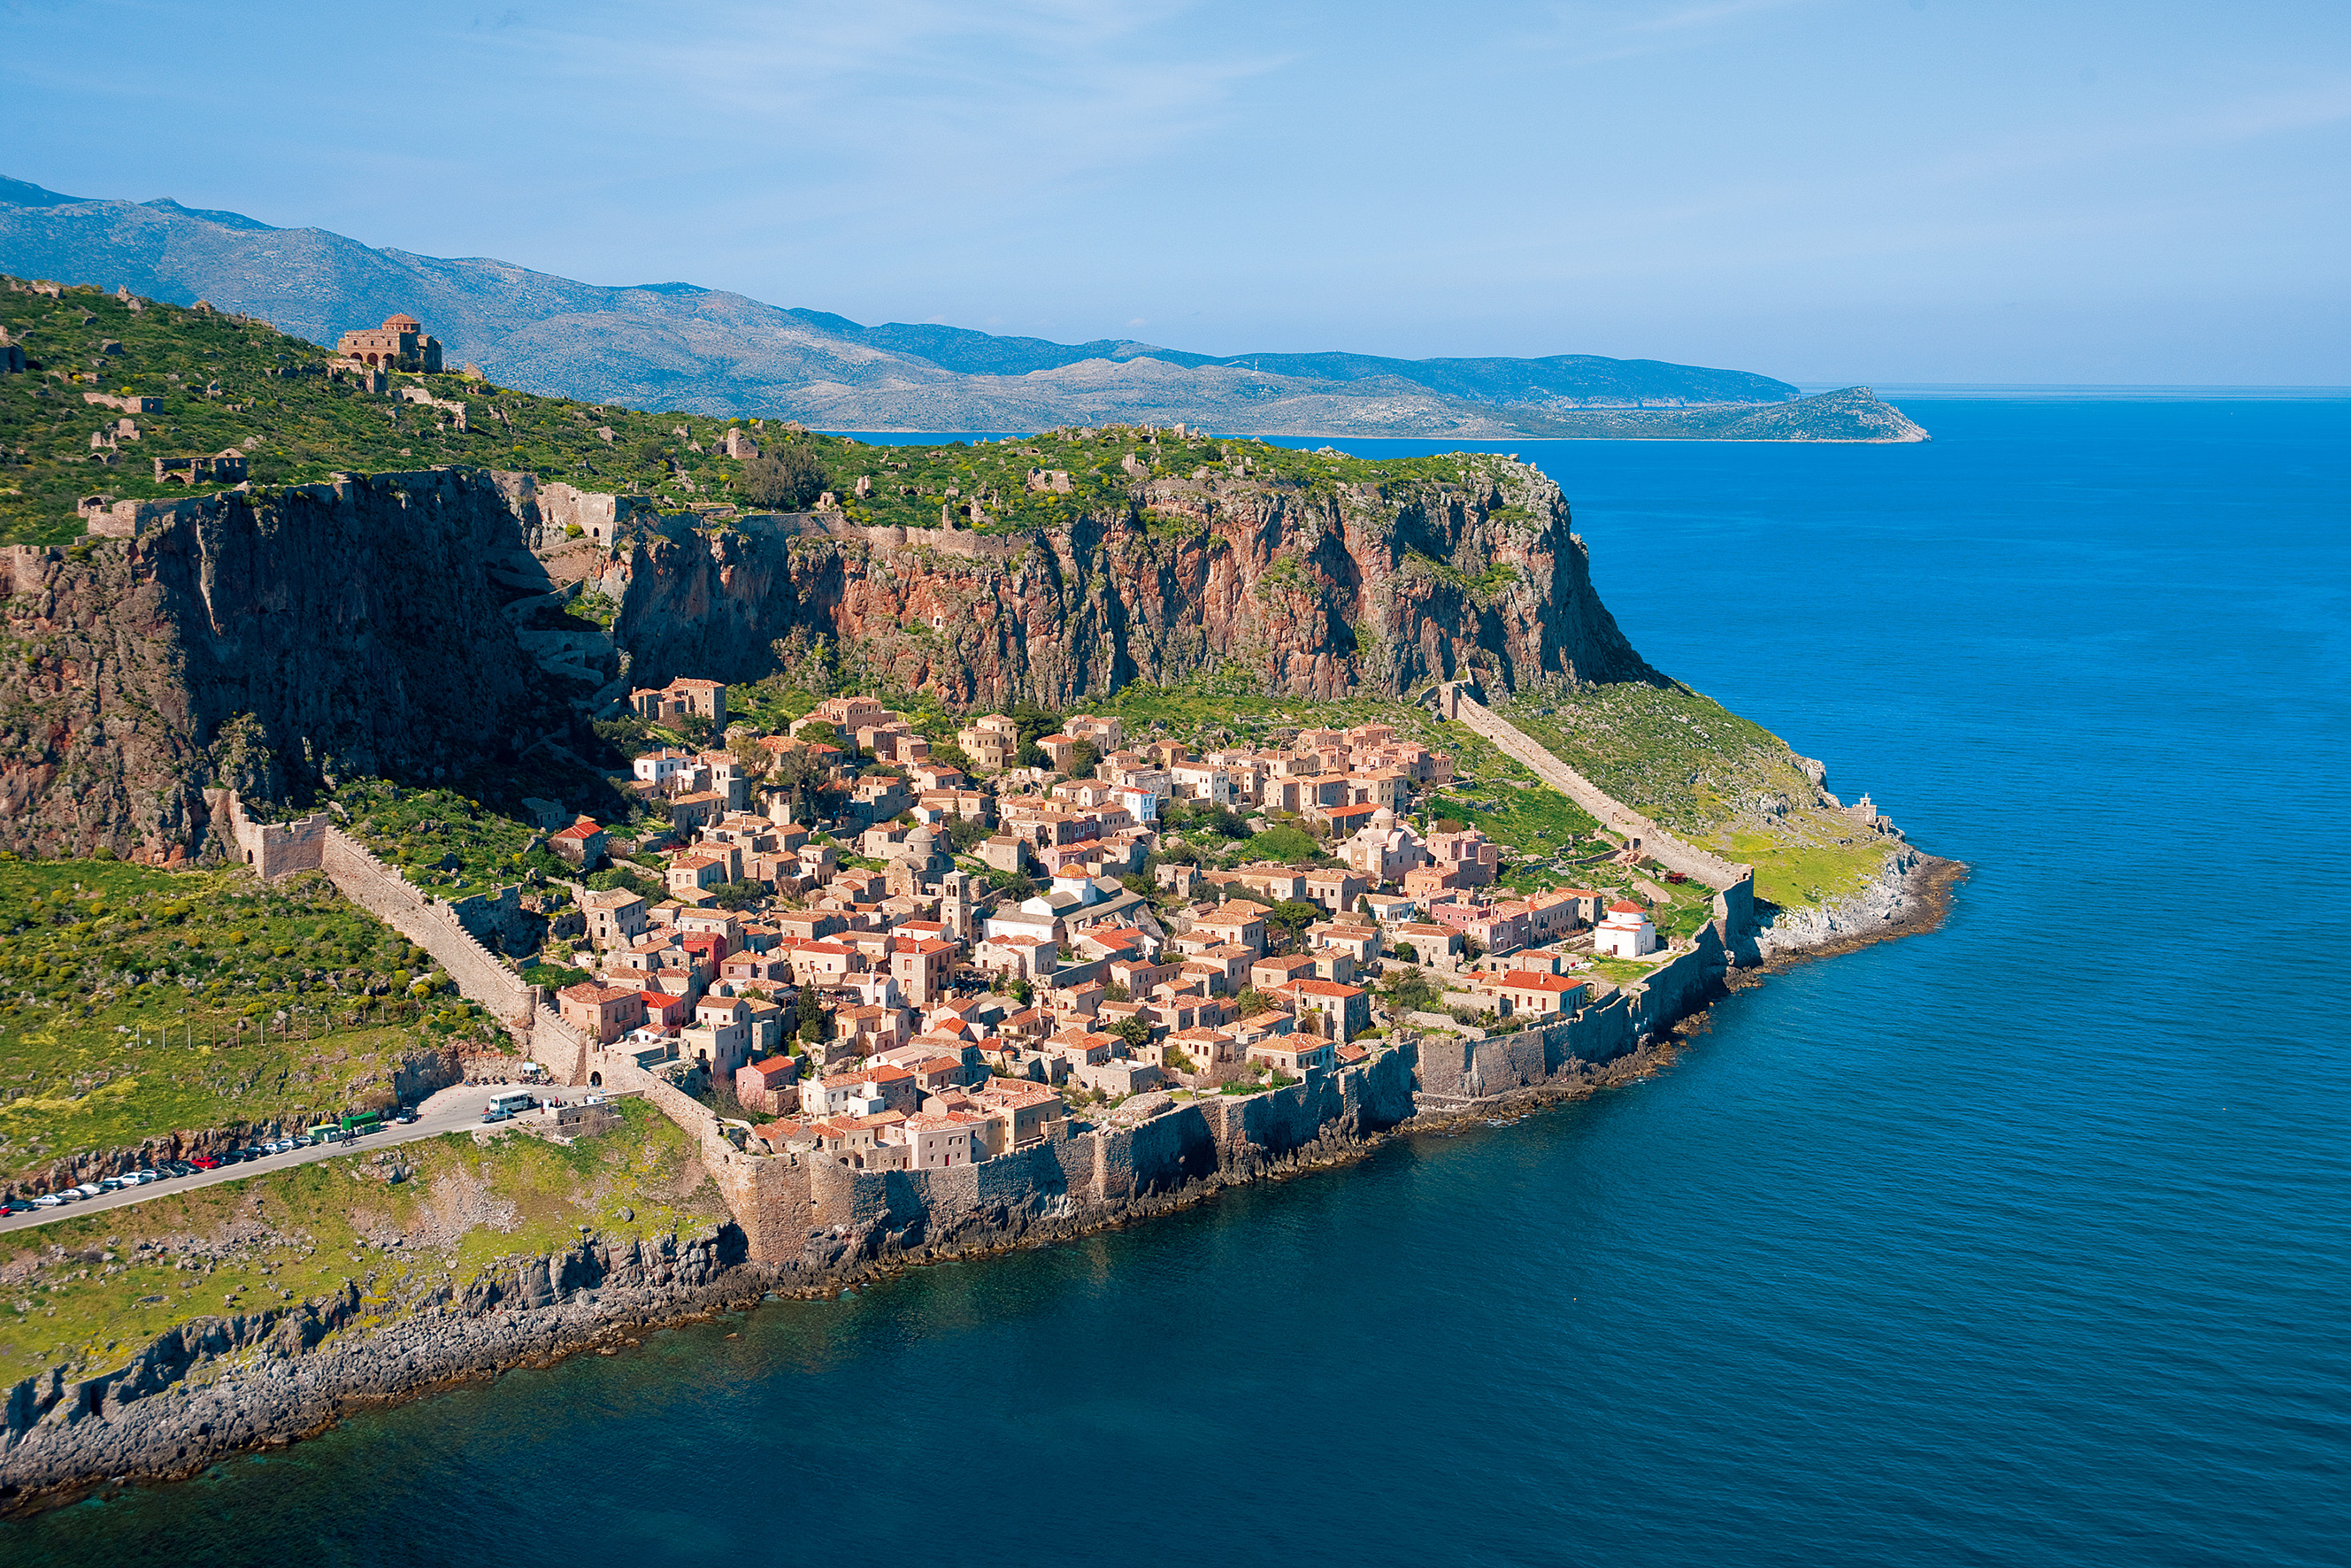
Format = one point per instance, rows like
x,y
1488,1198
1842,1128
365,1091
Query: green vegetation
x,y
94,1288
1723,782
442,840
1282,844
226,380
143,1002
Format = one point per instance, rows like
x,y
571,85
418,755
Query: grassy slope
x,y
107,970
88,1290
304,427
1699,769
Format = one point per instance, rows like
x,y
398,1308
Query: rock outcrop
x,y
254,640
1311,590
270,1376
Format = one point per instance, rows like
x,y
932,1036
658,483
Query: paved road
x,y
453,1108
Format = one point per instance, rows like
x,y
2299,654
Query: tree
x,y
1252,1002
1283,843
964,834
739,894
1409,991
813,1023
1134,1031
751,759
1083,758
1293,916
789,479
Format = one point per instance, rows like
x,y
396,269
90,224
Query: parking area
x,y
453,1109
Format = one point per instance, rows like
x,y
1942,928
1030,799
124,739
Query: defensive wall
x,y
315,843
1734,884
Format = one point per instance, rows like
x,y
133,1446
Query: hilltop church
x,y
399,344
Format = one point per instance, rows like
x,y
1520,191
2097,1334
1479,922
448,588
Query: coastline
x,y
151,1422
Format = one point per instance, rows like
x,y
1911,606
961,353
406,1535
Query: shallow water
x,y
2023,1242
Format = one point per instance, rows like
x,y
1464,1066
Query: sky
x,y
1898,192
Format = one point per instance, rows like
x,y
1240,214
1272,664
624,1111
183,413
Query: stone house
x,y
1345,1010
615,916
1532,993
680,698
921,969
1335,890
694,873
772,1086
603,1012
1295,1054
940,1139
581,845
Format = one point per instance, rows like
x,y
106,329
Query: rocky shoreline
x,y
1910,895
214,1386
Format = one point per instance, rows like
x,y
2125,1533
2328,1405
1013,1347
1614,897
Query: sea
x,y
2019,1242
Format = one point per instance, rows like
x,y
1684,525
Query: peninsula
x,y
483,873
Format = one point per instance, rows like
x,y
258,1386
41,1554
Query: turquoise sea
x,y
2023,1242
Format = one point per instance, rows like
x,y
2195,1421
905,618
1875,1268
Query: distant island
x,y
676,345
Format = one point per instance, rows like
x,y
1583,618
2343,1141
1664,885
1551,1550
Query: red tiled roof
x,y
1325,989
1535,980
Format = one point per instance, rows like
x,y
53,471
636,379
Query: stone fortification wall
x,y
272,850
314,844
1669,852
384,894
1455,1068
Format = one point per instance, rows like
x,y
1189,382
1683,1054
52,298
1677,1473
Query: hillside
x,y
677,345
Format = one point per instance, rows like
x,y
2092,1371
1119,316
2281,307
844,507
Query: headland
x,y
826,858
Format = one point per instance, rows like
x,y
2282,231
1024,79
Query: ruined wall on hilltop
x,y
251,639
1312,591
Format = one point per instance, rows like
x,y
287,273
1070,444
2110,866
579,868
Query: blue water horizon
x,y
2019,1242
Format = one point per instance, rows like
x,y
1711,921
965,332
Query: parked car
x,y
496,1114
406,1116
115,1183
143,1176
89,1190
51,1200
179,1169
16,1206
205,1162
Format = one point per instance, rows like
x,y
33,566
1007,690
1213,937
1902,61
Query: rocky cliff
x,y
1313,589
255,640
263,639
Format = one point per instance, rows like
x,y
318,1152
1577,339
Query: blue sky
x,y
1830,190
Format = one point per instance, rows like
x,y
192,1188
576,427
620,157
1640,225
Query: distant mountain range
x,y
678,346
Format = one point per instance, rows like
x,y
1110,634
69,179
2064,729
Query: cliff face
x,y
1311,590
263,641
252,642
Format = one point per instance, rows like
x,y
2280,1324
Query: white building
x,y
843,1094
662,766
1202,782
1625,932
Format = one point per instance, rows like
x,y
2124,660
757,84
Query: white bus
x,y
511,1104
